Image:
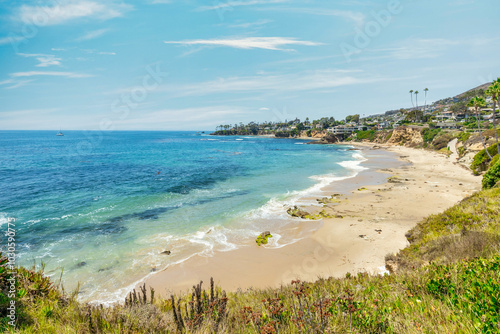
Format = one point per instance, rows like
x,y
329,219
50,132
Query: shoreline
x,y
373,210
271,136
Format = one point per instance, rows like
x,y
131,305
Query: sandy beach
x,y
377,207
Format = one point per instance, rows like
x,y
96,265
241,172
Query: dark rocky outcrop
x,y
296,212
328,139
262,239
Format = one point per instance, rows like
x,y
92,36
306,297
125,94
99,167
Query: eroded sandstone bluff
x,y
407,136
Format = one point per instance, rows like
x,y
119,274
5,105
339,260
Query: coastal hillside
x,y
468,147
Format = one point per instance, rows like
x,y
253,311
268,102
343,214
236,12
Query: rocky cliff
x,y
407,136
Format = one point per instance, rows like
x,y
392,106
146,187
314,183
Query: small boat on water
x,y
60,133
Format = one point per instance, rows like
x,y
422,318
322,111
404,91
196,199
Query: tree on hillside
x,y
352,118
477,103
416,103
459,107
494,92
426,90
411,95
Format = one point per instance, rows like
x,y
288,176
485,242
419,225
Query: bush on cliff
x,y
492,176
441,141
429,134
282,134
481,159
463,136
366,135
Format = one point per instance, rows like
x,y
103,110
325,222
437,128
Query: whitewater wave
x,y
275,208
4,220
216,238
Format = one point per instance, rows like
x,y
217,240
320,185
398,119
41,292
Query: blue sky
x,y
192,65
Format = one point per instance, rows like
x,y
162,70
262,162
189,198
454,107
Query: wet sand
x,y
376,214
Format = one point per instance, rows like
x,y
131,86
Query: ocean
x,y
101,207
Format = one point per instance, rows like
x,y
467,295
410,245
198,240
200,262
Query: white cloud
x,y
13,83
94,51
230,4
62,13
45,60
268,43
92,35
247,25
279,83
49,73
8,40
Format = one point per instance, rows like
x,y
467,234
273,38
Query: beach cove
x,y
397,187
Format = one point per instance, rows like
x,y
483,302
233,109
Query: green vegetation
x,y
366,135
461,151
466,230
282,134
285,129
441,141
492,176
463,136
352,118
481,159
429,134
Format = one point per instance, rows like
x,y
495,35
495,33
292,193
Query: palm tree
x,y
411,95
494,92
416,103
426,90
477,103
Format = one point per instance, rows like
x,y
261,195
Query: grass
x,y
446,281
467,230
363,135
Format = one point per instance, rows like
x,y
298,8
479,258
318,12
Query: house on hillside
x,y
346,129
383,125
447,125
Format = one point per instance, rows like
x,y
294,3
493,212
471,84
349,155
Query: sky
x,y
194,65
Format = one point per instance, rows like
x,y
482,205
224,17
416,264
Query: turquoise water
x,y
103,206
